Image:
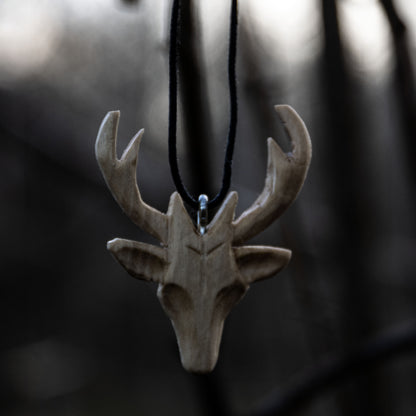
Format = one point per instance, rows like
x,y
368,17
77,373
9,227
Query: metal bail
x,y
202,218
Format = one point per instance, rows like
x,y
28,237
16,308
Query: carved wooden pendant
x,y
201,277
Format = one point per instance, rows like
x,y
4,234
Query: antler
x,y
120,176
286,173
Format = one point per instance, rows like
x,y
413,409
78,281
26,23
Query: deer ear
x,y
260,262
142,261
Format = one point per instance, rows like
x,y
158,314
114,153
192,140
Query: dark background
x,y
81,337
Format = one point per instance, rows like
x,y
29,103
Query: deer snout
x,y
198,329
197,336
199,356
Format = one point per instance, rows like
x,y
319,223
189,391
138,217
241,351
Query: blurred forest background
x,y
79,336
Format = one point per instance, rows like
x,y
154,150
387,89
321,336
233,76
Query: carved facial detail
x,y
201,277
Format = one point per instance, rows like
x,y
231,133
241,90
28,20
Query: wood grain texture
x,y
286,173
202,277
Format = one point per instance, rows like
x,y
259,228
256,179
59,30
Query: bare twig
x,y
351,204
334,369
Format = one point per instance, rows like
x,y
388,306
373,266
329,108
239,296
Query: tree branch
x,y
334,370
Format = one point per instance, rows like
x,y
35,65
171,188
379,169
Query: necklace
x,y
203,271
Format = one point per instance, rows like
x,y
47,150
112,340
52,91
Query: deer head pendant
x,y
201,277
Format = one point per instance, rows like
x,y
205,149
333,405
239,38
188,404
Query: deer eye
x,y
175,298
228,296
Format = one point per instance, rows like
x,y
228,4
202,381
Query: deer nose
x,y
199,343
201,356
197,366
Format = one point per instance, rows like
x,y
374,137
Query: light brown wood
x,y
201,277
120,176
286,173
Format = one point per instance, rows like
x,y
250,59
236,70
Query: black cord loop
x,y
173,108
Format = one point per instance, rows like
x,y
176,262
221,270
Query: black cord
x,y
173,108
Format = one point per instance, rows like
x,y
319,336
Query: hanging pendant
x,y
202,275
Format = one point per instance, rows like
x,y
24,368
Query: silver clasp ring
x,y
202,218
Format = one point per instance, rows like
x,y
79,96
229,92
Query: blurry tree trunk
x,y
404,83
305,278
257,88
212,394
351,206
